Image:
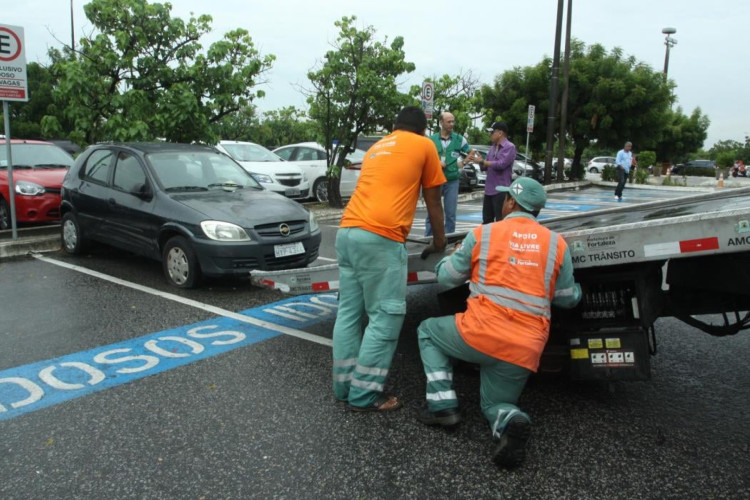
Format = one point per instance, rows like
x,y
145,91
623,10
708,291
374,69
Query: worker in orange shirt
x,y
372,258
516,269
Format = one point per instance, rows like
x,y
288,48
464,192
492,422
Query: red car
x,y
38,171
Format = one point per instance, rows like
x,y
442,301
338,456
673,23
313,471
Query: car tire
x,y
320,190
71,236
180,263
4,215
593,170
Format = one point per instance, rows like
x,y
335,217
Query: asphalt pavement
x,y
256,419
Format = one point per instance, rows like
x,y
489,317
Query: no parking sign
x,y
13,78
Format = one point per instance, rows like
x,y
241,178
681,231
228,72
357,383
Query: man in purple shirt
x,y
499,168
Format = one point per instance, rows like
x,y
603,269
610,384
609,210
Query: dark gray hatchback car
x,y
189,206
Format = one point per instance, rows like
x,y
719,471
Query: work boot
x,y
511,448
447,418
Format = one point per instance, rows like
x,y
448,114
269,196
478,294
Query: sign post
x,y
13,87
428,96
529,130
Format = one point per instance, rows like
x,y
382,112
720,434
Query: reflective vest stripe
x,y
448,267
515,305
551,259
342,377
484,252
477,288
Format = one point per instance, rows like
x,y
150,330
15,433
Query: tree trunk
x,y
334,192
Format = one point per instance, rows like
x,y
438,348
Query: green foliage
x,y
681,135
273,129
724,146
641,175
609,173
355,92
144,74
647,159
455,94
26,117
476,135
612,99
725,159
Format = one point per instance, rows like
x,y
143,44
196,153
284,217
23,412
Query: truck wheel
x,y
180,263
72,238
4,215
320,190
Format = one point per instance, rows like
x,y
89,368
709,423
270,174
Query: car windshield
x,y
250,152
199,171
35,156
357,156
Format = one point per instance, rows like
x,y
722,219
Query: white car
x,y
272,172
311,158
596,165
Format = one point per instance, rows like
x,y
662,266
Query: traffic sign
x,y
428,96
530,120
13,76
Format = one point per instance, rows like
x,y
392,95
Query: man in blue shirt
x,y
623,161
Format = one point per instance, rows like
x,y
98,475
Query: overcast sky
x,y
710,64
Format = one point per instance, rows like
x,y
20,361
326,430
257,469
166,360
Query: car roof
x,y
28,141
301,144
158,147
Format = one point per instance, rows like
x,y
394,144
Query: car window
x,y
129,175
198,171
250,152
306,154
36,155
97,166
285,153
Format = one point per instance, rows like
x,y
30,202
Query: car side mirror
x,y
141,191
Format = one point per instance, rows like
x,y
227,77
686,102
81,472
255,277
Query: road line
x,y
192,303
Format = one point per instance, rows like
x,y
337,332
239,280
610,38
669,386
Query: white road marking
x,y
192,303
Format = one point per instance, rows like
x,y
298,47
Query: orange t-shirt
x,y
394,169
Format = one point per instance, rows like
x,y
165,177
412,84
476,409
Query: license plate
x,y
288,249
472,181
291,191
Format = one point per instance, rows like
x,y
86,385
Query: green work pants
x,y
372,281
500,384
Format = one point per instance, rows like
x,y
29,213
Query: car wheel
x,y
72,238
4,215
320,190
594,170
180,264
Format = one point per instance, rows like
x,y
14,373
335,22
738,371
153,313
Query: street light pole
x,y
669,42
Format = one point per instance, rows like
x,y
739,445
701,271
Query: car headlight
x,y
224,231
313,223
29,188
266,179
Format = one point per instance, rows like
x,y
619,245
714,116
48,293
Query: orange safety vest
x,y
514,266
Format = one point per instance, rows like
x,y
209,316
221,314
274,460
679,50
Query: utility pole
x,y
552,113
564,106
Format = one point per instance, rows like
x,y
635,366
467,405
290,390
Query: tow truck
x,y
684,258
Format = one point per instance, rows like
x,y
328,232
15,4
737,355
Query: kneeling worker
x,y
516,269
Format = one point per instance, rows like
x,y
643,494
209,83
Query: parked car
x,y
597,164
311,158
38,171
267,168
698,167
191,207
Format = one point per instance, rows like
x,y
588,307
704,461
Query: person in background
x,y
450,147
499,167
517,269
372,258
623,162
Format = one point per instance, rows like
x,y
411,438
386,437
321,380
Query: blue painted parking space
x,y
46,383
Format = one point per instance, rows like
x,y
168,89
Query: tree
x,y
274,128
611,99
455,94
26,117
681,135
145,75
355,91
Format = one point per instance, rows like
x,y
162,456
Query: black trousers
x,y
622,178
492,207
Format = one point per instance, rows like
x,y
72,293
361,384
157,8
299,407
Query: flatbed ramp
x,y
704,224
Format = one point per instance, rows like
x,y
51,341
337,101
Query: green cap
x,y
527,192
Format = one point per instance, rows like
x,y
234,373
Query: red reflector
x,y
320,286
699,245
267,282
412,277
